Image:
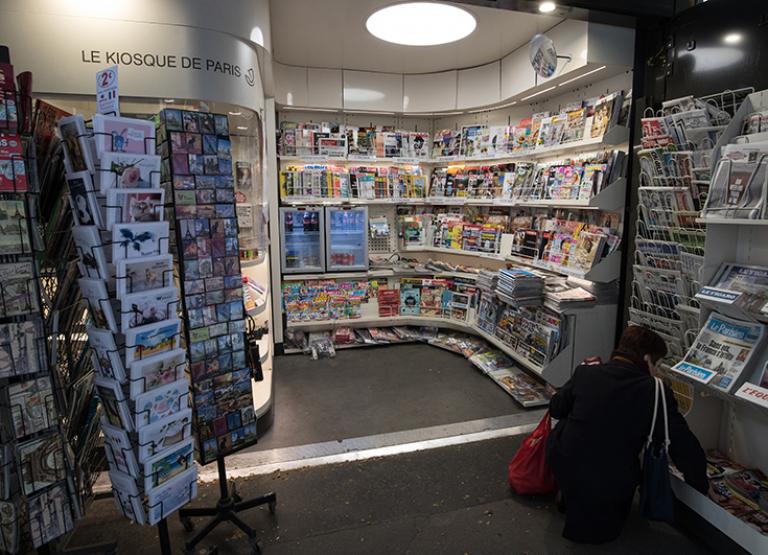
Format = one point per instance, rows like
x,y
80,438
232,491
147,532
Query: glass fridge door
x,y
302,240
347,239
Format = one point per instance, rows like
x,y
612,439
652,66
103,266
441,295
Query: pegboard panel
x,y
383,246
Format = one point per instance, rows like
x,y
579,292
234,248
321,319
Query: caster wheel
x,y
272,507
255,547
187,523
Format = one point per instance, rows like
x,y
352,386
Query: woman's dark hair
x,y
639,341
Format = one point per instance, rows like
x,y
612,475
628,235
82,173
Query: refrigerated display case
x,y
346,238
302,240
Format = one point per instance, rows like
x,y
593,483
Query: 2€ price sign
x,y
107,98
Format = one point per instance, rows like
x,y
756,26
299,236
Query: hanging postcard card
x,y
136,275
129,171
139,239
164,433
126,135
82,199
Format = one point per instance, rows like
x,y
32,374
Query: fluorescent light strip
x,y
441,114
540,92
368,112
582,75
298,108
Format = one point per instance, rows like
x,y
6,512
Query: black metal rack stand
x,y
225,510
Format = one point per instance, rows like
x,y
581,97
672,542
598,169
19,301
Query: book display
x,y
198,172
39,495
123,244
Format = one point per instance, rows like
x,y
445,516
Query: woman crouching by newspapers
x,y
606,414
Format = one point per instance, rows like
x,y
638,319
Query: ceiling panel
x,y
332,34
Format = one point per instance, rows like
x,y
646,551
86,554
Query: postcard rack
x,y
39,499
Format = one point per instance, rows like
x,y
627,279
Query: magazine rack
x,y
226,510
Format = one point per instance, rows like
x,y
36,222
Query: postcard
x,y
139,239
32,406
119,449
21,348
135,275
172,495
170,463
129,171
172,119
18,290
164,433
146,341
128,135
107,357
161,402
14,232
9,526
116,409
13,173
148,307
95,293
82,199
50,515
93,260
78,145
41,462
151,373
134,206
126,495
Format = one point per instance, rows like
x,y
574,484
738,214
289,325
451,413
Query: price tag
x,y
107,98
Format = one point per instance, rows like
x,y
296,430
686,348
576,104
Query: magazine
x,y
721,352
738,190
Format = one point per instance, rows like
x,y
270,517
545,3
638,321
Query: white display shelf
x,y
557,372
459,252
716,220
733,527
617,135
709,391
377,274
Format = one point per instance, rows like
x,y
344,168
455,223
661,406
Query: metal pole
x,y
165,540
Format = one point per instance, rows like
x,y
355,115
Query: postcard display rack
x,y
725,357
197,172
546,195
122,240
38,495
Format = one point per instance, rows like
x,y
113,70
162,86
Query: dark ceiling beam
x,y
612,12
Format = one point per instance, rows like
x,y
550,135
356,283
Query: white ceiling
x,y
332,34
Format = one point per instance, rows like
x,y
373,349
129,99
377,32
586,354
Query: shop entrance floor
x,y
377,390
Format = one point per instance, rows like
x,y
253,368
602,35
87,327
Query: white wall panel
x,y
609,45
290,85
516,73
479,86
324,88
430,92
366,90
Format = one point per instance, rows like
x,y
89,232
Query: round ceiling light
x,y
421,24
547,7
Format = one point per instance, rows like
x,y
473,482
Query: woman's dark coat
x,y
604,415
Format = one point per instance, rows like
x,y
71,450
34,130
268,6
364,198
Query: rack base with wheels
x,y
226,510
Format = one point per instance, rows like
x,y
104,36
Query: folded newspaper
x,y
741,286
721,352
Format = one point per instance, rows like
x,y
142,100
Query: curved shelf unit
x,y
557,372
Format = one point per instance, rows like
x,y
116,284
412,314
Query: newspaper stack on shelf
x,y
564,295
722,352
127,272
487,281
518,287
520,386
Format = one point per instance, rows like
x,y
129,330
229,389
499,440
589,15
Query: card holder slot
x,y
51,417
30,295
143,379
147,412
178,333
152,445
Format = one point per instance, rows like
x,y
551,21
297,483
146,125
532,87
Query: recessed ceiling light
x,y
169,100
242,128
421,24
547,7
235,113
732,38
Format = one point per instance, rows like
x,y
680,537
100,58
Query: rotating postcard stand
x,y
197,172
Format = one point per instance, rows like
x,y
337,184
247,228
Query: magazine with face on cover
x,y
722,351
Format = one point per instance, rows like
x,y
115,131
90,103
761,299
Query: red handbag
x,y
529,473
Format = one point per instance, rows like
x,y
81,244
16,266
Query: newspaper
x,y
721,352
740,285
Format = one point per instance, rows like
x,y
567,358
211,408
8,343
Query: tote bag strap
x,y
659,392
